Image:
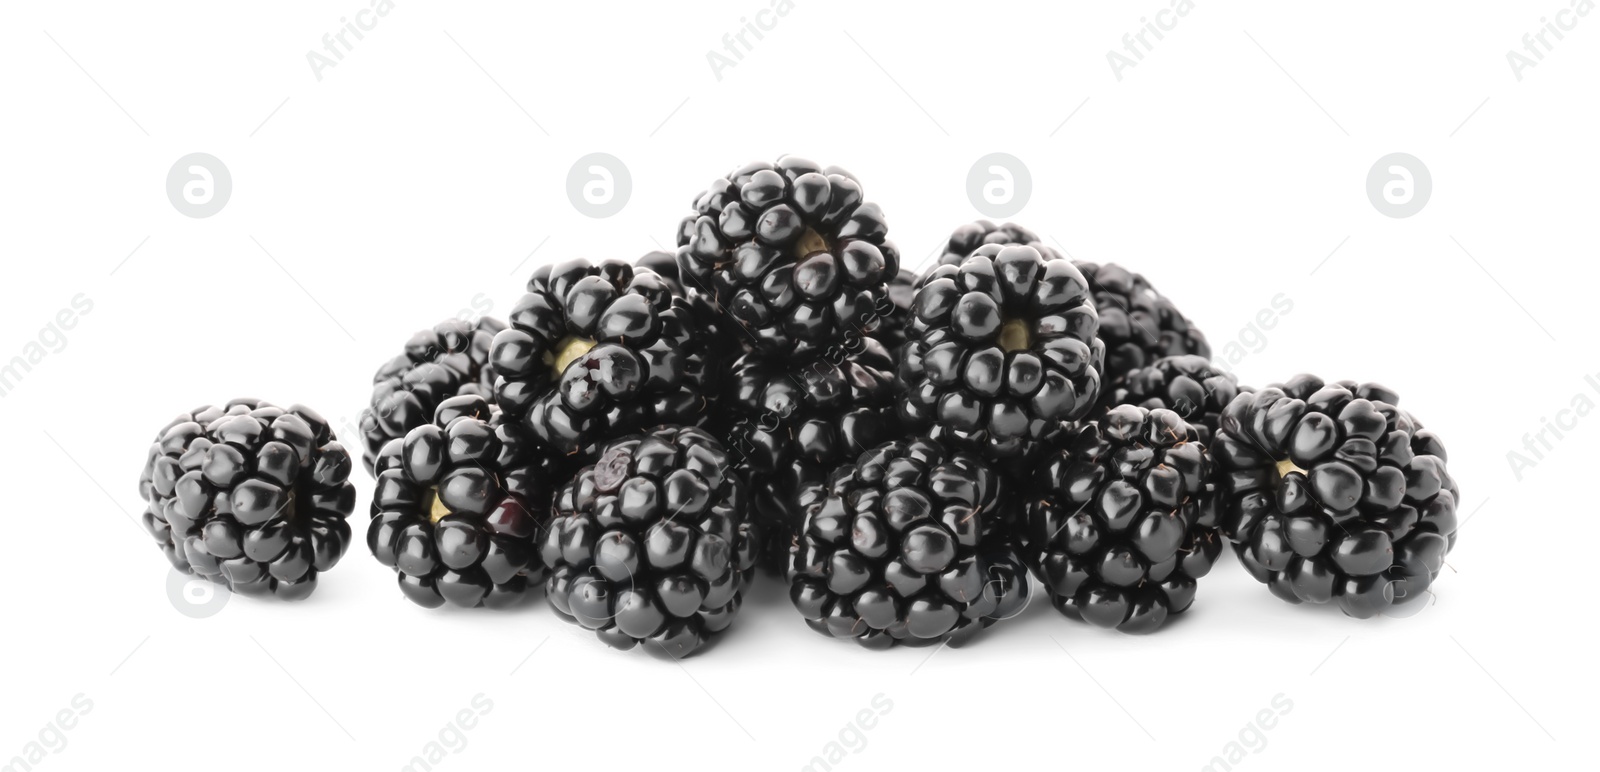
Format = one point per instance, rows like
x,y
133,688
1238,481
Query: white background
x,y
420,172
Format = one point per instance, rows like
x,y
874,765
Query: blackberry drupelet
x,y
651,543
793,421
250,496
595,351
459,507
1189,385
1335,494
1138,324
906,547
1122,520
966,239
894,327
449,360
792,251
1003,350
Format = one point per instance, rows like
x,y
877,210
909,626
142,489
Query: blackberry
x,y
794,421
651,543
250,496
1335,494
1188,385
1123,519
792,251
459,507
1003,350
595,351
449,360
905,547
1138,324
967,238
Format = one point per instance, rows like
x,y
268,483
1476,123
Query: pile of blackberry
x,y
915,453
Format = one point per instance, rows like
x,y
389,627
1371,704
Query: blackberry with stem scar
x,y
1336,495
792,251
1004,349
595,351
459,507
906,546
451,359
250,496
1122,519
651,544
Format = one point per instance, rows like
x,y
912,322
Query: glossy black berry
x,y
1122,519
793,420
1138,324
460,508
906,546
966,239
792,251
449,360
1003,349
595,351
250,496
1335,494
651,544
1189,385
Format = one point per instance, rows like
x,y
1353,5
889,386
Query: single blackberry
x,y
792,251
651,543
1003,350
792,421
595,351
906,547
449,360
459,507
966,239
1122,520
1335,494
1189,385
1138,324
250,496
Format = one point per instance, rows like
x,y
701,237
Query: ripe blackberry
x,y
595,351
1188,385
459,507
966,239
651,543
1003,350
1138,324
905,547
250,496
1335,494
793,421
792,251
449,360
1122,520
